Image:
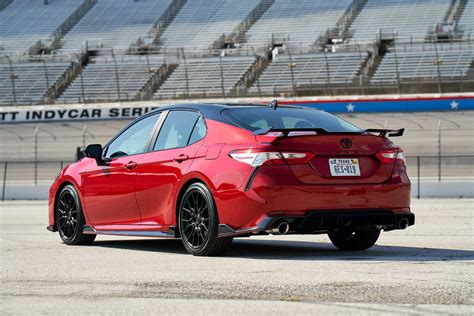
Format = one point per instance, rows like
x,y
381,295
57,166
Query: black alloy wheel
x,y
69,218
198,223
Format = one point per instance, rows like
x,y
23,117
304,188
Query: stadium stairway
x,y
238,36
448,28
54,42
152,39
251,76
156,80
341,30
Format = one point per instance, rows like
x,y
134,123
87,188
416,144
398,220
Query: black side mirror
x,y
94,151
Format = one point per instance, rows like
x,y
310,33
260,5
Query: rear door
x,y
160,171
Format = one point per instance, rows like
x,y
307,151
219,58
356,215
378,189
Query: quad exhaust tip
x,y
403,223
281,229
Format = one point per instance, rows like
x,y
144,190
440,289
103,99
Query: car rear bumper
x,y
318,222
276,191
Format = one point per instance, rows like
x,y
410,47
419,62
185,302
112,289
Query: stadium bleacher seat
x,y
204,77
309,70
467,21
31,81
99,79
25,22
299,21
416,63
410,20
115,24
201,22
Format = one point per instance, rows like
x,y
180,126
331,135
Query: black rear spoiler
x,y
383,132
286,131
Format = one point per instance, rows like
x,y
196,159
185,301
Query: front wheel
x,y
70,219
354,240
199,223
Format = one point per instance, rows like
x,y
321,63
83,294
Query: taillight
x,y
390,156
258,158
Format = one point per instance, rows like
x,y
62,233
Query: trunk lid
x,y
326,147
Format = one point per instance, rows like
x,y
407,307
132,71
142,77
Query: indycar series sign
x,y
71,114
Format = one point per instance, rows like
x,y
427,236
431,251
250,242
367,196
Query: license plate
x,y
344,167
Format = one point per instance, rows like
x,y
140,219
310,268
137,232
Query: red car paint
x,y
140,193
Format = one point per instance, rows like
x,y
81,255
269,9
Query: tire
x,y
70,219
198,223
354,240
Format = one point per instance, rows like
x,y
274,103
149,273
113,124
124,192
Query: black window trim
x,y
157,124
165,115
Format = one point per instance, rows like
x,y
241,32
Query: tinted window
x,y
199,131
253,119
134,140
176,130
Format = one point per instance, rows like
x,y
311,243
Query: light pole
x,y
328,74
291,66
116,75
185,72
46,75
397,71
12,78
258,77
438,61
222,77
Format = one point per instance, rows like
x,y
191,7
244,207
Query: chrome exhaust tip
x,y
403,223
281,229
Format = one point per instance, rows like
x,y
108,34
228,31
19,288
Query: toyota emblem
x,y
346,143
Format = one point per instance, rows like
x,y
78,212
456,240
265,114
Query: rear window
x,y
255,118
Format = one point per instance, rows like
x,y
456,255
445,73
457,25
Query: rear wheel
x,y
70,219
199,223
354,240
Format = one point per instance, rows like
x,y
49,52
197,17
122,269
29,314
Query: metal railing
x,y
421,170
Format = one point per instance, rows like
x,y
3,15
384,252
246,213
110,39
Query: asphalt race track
x,y
426,269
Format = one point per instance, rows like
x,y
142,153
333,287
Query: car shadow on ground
x,y
299,250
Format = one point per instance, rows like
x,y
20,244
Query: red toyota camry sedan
x,y
207,173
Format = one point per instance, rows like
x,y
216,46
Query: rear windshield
x,y
255,118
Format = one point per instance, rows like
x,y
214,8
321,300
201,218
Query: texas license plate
x,y
344,167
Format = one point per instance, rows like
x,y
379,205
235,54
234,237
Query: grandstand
x,y
307,70
98,82
24,23
107,50
297,21
114,24
467,20
32,81
404,20
205,77
425,63
201,22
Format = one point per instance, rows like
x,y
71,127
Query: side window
x,y
134,140
199,131
176,130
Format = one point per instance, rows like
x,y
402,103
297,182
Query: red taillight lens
x,y
258,158
390,156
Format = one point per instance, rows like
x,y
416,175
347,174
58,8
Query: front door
x,y
109,190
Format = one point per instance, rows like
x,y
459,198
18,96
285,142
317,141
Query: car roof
x,y
215,107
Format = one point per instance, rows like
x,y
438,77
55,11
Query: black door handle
x,y
130,165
